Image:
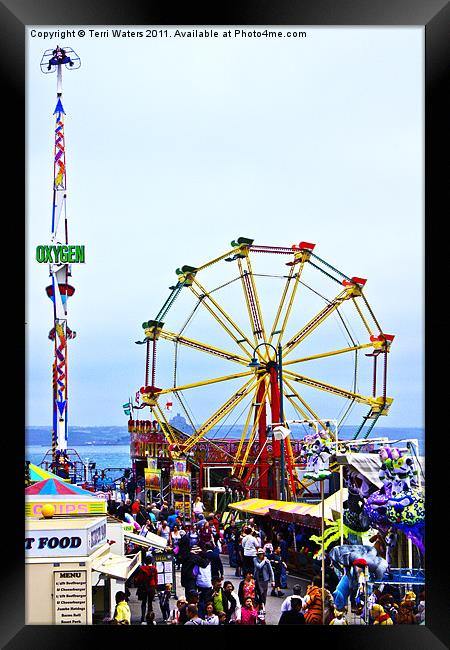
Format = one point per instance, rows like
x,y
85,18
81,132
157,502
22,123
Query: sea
x,y
112,455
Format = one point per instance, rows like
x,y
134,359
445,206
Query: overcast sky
x,y
174,147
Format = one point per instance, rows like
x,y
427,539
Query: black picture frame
x,y
434,15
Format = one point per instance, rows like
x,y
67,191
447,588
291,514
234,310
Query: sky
x,y
175,147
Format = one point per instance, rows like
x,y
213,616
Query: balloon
x,y
48,510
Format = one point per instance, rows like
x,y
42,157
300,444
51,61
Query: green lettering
x,y
64,254
48,254
79,254
71,257
55,253
40,253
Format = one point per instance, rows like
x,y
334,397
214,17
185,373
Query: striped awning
x,y
39,474
57,487
255,506
309,514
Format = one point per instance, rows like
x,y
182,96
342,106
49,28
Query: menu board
x,y
70,597
166,570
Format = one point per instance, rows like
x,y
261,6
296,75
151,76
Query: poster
x,y
152,479
180,482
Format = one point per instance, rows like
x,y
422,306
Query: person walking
x,y
249,588
248,613
203,583
164,530
210,618
213,555
294,616
164,601
193,617
277,566
263,574
146,581
190,560
198,508
229,602
174,541
178,615
250,547
286,604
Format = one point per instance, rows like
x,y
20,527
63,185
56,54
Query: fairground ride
x,y
64,460
270,315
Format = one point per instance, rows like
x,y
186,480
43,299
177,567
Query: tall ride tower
x,y
59,291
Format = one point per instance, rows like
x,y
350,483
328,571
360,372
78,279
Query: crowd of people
x,y
257,552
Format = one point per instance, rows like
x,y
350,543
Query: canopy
x,y
39,474
310,514
366,464
57,487
255,506
149,541
118,566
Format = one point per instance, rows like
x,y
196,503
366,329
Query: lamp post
x,y
254,363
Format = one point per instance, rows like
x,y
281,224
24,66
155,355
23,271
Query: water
x,y
103,455
118,455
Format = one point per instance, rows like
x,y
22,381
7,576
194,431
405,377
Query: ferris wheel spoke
x,y
206,382
309,411
334,390
246,426
164,425
254,430
251,299
221,317
295,286
221,412
202,347
331,353
319,318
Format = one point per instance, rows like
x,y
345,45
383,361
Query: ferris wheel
x,y
259,334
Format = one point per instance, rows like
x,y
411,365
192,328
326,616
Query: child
x,y
164,601
122,613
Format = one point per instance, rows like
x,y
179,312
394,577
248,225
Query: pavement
x,y
273,603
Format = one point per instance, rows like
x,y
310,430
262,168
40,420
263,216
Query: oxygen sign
x,y
60,254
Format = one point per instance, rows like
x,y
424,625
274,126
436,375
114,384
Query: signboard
x,y
65,542
152,479
180,481
97,507
70,597
165,567
184,507
61,254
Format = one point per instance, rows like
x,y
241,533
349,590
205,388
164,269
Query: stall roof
x,y
255,506
290,510
309,514
56,487
369,465
39,474
150,540
118,566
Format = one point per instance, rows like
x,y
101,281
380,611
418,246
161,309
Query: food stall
x,y
71,574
